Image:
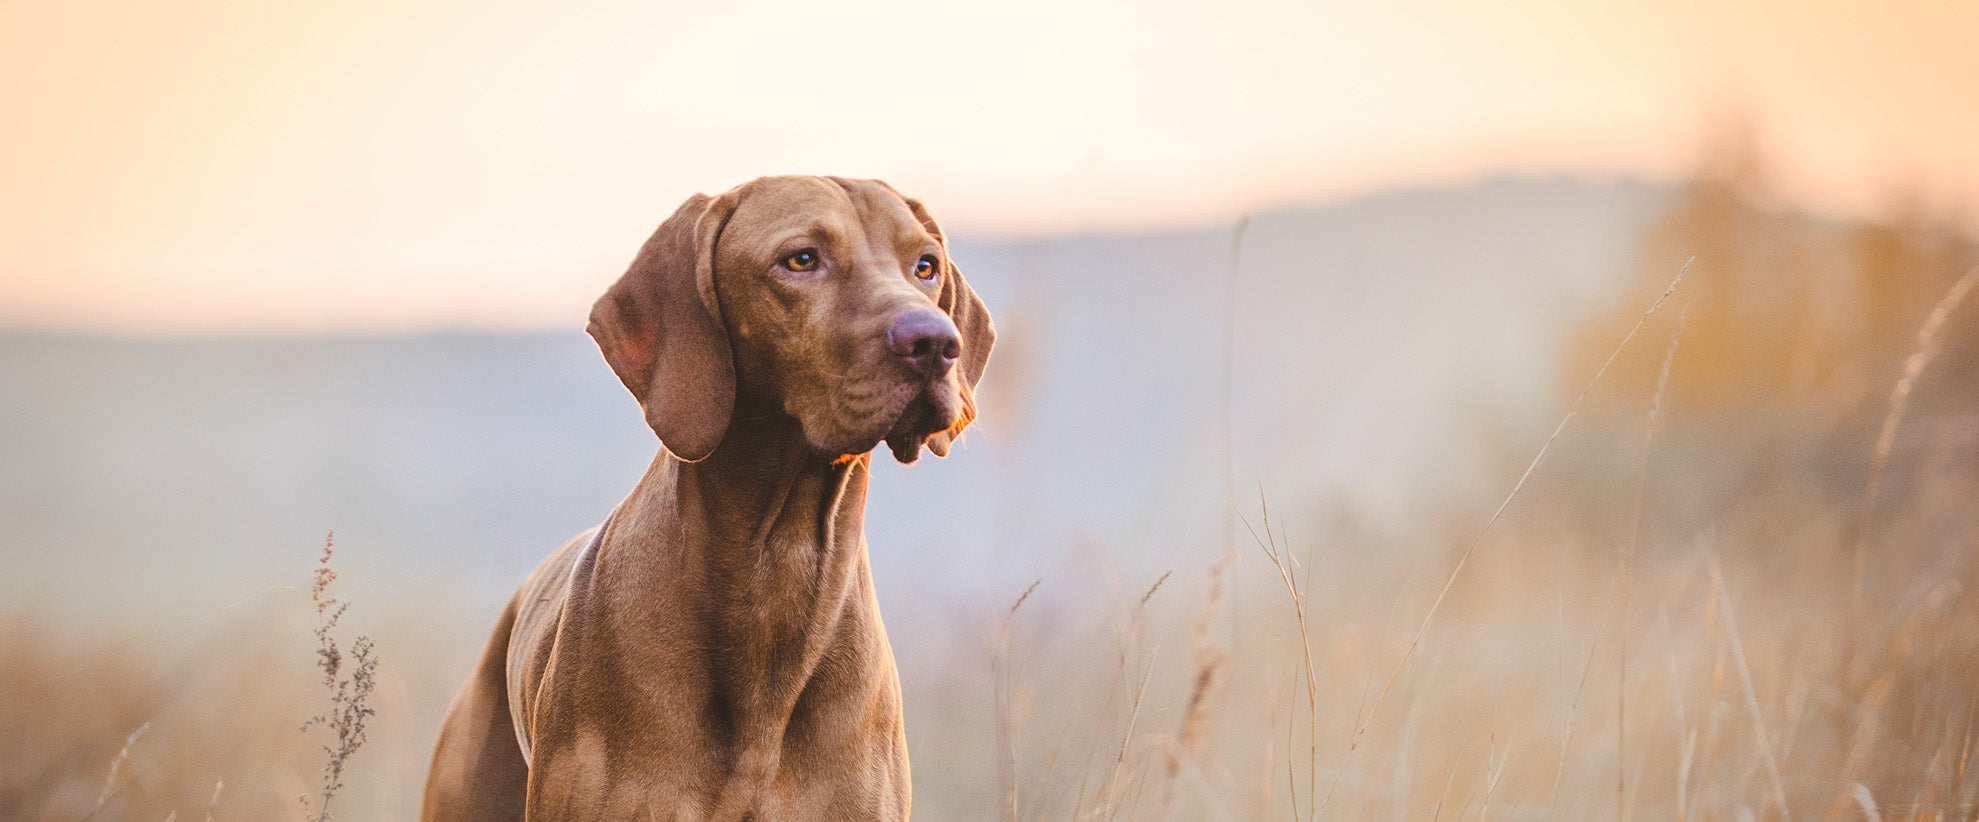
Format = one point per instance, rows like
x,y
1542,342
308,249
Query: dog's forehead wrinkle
x,y
777,208
884,215
768,230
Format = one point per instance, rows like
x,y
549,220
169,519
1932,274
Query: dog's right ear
x,y
660,328
971,318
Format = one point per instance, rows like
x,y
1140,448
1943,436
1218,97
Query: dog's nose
x,y
926,339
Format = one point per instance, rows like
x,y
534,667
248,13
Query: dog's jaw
x,y
903,417
933,411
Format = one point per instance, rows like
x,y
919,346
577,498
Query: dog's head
x,y
832,301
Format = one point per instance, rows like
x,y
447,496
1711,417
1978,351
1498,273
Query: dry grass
x,y
1740,695
1711,633
223,709
1753,707
1759,706
350,683
199,721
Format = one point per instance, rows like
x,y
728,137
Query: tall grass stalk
x,y
350,695
117,767
1622,572
1006,721
214,801
1194,727
1567,734
1913,366
1284,561
1751,695
1115,788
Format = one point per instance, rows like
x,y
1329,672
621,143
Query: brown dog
x,y
714,649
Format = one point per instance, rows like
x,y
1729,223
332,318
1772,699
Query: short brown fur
x,y
714,650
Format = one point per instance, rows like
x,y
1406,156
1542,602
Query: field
x,y
1737,581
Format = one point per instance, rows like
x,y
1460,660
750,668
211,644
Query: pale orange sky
x,y
294,165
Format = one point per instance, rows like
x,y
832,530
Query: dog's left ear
x,y
971,318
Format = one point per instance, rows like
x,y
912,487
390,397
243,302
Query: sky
x,y
229,166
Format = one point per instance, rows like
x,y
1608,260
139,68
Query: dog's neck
x,y
757,553
771,529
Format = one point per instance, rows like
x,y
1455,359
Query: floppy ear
x,y
971,318
661,330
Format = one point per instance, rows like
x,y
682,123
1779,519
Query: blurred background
x,y
1290,296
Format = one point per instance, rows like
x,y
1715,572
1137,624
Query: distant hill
x,y
149,476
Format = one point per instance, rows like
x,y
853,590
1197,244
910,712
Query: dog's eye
x,y
925,269
806,260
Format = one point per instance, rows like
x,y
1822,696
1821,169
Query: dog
x,y
714,650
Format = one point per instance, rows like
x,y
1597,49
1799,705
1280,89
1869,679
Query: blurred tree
x,y
1786,311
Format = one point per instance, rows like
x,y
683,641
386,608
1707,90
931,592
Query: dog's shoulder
x,y
539,606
